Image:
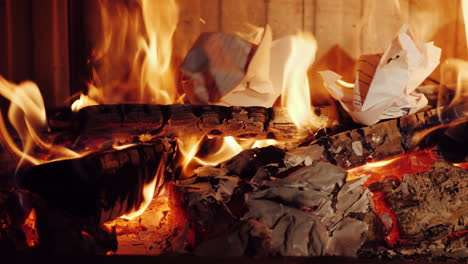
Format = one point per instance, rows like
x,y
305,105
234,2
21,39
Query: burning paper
x,y
385,84
220,66
227,70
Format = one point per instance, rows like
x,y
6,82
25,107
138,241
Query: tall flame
x,y
28,117
296,96
148,193
132,62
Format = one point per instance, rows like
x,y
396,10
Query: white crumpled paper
x,y
256,87
391,92
275,66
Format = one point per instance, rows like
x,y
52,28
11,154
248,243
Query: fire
x,y
148,193
83,101
27,115
30,229
393,168
296,96
216,150
132,62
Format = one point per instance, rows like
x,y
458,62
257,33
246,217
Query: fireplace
x,y
298,128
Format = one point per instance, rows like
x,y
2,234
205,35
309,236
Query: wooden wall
x,y
344,29
35,46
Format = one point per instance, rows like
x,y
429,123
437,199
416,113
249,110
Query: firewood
x,y
383,140
195,120
100,186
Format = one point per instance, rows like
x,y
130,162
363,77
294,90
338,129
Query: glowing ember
x,y
30,229
394,168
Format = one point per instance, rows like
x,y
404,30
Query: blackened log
x,y
63,233
100,186
168,120
386,139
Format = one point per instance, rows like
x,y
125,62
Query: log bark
x,y
196,120
101,186
386,139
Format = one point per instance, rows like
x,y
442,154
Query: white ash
x,y
310,212
357,147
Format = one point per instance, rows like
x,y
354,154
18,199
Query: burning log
x,y
383,140
169,120
102,186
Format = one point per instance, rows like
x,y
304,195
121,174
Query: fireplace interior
x,y
247,128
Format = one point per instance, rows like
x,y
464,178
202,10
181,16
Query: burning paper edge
x,y
389,97
256,87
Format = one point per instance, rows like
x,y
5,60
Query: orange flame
x,y
148,193
396,167
225,148
393,168
133,60
296,96
30,229
28,117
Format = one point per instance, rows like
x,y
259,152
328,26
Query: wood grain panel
x,y
210,14
188,28
434,20
285,17
237,15
461,44
380,22
336,23
51,52
309,15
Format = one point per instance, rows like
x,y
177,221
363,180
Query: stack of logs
x,y
73,199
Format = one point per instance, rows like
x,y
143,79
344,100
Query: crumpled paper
x,y
255,89
385,86
270,70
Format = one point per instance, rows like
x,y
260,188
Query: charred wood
x,y
169,120
101,186
386,139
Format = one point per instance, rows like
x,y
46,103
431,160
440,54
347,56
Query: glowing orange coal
x,y
394,168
